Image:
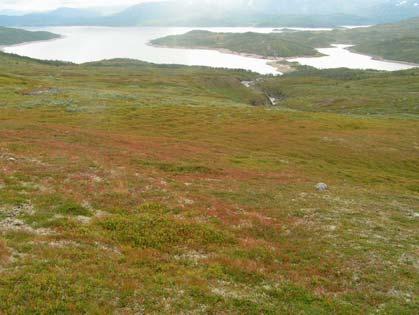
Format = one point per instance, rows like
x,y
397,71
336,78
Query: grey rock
x,y
321,187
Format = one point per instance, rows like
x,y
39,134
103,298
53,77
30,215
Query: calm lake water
x,y
339,56
84,44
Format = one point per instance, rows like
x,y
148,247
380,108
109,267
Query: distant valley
x,y
398,41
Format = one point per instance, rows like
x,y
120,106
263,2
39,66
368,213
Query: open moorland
x,y
132,188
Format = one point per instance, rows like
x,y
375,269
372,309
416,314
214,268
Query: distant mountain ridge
x,y
61,16
395,10
238,13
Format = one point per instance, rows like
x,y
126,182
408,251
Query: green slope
x,y
132,188
267,45
347,91
12,36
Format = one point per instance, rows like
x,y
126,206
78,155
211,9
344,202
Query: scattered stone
x,y
192,256
12,224
332,228
63,244
86,204
244,224
107,248
186,201
229,290
248,84
13,212
97,179
409,259
321,187
272,100
83,219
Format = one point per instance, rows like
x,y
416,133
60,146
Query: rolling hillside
x,y
266,45
11,36
391,41
129,188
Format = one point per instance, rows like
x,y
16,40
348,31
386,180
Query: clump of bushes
x,y
154,226
72,208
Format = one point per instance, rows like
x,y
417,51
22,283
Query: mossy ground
x,y
152,189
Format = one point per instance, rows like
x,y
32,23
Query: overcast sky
x,y
44,5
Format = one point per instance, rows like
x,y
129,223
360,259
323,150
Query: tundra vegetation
x,y
128,187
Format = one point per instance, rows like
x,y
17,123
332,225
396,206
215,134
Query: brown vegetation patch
x,y
4,252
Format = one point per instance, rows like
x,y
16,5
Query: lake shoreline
x,y
2,47
86,44
379,58
351,49
279,63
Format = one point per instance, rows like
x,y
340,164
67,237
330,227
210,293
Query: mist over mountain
x,y
61,16
306,7
230,13
394,10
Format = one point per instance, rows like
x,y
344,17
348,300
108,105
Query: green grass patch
x,y
154,227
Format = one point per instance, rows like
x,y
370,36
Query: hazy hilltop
x,y
305,6
230,13
11,36
61,16
387,10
